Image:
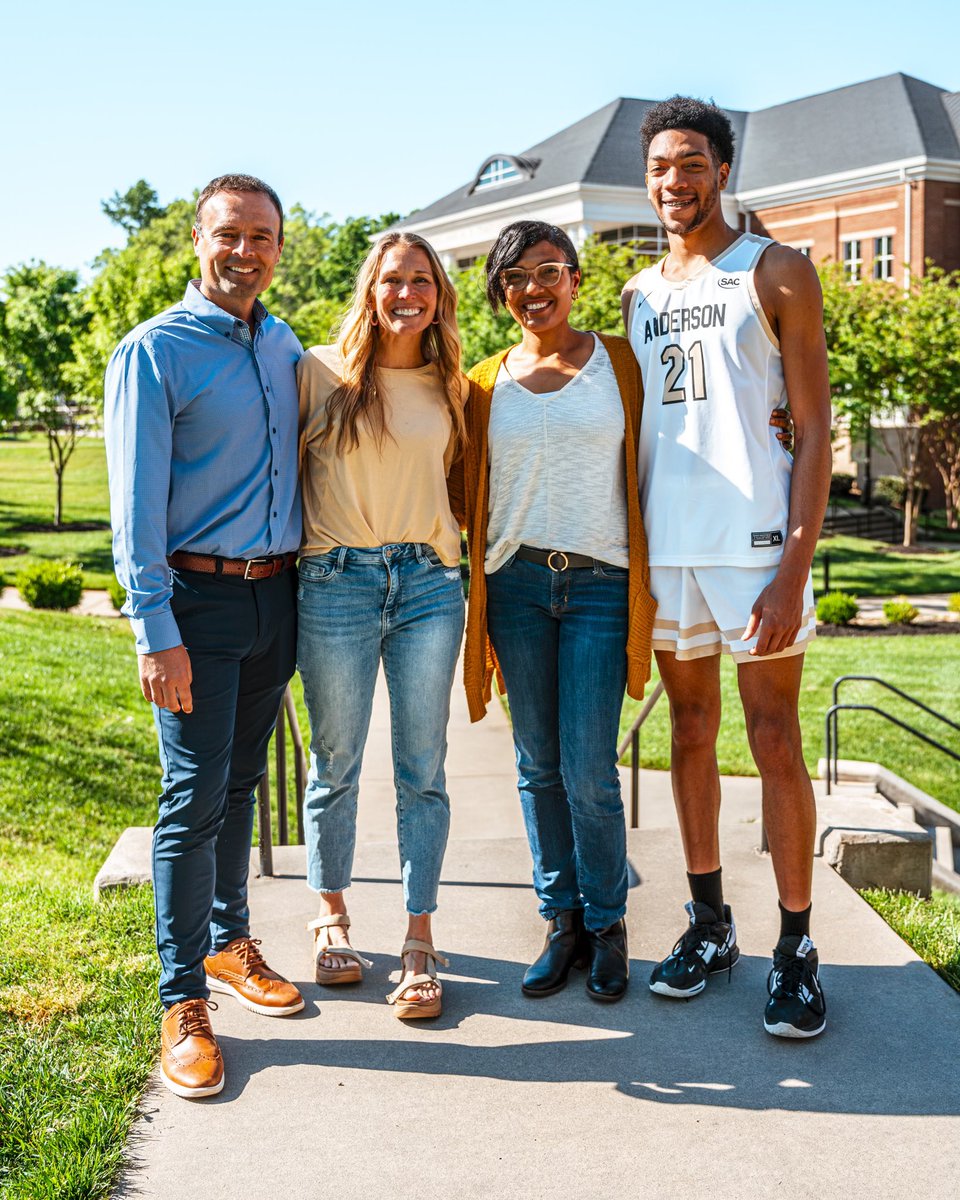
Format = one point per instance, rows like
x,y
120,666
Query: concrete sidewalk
x,y
504,1096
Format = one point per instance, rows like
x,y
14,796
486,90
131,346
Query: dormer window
x,y
498,171
503,168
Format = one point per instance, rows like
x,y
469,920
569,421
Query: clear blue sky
x,y
354,108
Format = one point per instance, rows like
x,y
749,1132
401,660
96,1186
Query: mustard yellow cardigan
x,y
469,486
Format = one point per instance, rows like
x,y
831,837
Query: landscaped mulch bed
x,y
917,629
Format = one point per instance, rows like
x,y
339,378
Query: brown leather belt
x,y
247,568
557,560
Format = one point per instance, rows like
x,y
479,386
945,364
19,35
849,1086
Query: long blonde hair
x,y
359,395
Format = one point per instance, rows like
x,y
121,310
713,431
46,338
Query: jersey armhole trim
x,y
758,307
632,311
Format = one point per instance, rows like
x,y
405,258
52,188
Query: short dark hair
x,y
508,249
238,183
686,112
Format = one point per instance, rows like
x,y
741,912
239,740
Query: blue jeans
x,y
561,638
241,638
357,606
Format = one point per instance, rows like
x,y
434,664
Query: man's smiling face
x,y
684,180
238,244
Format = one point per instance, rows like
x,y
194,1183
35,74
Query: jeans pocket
x,y
609,571
317,569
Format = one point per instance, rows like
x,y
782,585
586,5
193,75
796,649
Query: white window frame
x,y
501,170
852,259
883,256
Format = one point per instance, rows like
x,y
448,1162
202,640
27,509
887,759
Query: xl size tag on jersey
x,y
771,537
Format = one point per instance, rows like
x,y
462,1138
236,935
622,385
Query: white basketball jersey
x,y
714,480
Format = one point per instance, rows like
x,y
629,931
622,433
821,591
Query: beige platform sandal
x,y
408,1009
322,948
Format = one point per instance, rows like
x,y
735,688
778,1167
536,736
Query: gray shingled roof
x,y
877,121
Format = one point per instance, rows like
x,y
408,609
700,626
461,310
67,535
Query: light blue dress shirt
x,y
200,423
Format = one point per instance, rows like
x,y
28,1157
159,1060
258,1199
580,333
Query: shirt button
x,y
267,389
276,472
274,514
274,429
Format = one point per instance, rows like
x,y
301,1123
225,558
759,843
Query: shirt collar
x,y
195,302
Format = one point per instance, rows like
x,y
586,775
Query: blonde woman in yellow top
x,y
381,420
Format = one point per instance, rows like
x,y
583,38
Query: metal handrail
x,y
832,723
632,742
286,718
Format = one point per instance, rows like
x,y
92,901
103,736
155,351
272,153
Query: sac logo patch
x,y
729,281
769,537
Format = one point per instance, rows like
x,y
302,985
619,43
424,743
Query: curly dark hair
x,y
238,183
686,112
508,249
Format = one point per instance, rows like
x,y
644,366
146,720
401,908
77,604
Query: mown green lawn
x,y
78,1007
932,927
27,491
866,568
927,667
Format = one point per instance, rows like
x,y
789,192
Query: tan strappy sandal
x,y
417,1008
322,949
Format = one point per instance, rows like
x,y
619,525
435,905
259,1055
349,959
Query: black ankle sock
x,y
708,889
794,924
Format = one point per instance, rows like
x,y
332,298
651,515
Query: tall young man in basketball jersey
x,y
727,327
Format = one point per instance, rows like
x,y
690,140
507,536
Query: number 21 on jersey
x,y
685,379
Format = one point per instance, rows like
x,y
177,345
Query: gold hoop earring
x,y
374,320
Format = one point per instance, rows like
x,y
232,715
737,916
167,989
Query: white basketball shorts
x,y
704,610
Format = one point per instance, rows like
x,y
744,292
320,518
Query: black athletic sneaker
x,y
796,1008
707,946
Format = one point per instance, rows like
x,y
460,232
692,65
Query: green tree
x,y
315,277
895,364
135,209
481,332
133,284
42,314
606,268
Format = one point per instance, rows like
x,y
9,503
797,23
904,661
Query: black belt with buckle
x,y
557,560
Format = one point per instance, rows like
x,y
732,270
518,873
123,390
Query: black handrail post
x,y
826,571
263,814
827,748
299,759
281,755
635,780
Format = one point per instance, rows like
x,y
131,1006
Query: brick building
x,y
867,174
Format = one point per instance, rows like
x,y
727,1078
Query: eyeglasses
x,y
548,274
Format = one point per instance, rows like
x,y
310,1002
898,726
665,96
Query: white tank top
x,y
557,469
714,480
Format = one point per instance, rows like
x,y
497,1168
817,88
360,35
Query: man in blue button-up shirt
x,y
201,433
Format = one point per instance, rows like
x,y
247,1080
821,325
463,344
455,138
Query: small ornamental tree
x,y
42,316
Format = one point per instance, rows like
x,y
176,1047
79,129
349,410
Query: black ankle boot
x,y
565,947
609,965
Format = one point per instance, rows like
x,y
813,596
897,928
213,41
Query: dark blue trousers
x,y
241,638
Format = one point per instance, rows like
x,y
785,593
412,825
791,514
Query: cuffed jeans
x,y
560,639
397,603
241,638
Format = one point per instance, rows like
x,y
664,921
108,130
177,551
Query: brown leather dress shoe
x,y
190,1061
239,970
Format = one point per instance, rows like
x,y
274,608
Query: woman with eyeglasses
x,y
382,420
559,595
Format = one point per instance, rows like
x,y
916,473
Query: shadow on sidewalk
x,y
881,1053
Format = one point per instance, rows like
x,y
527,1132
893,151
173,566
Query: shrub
x,y
890,490
51,585
953,604
837,608
900,611
117,593
841,483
